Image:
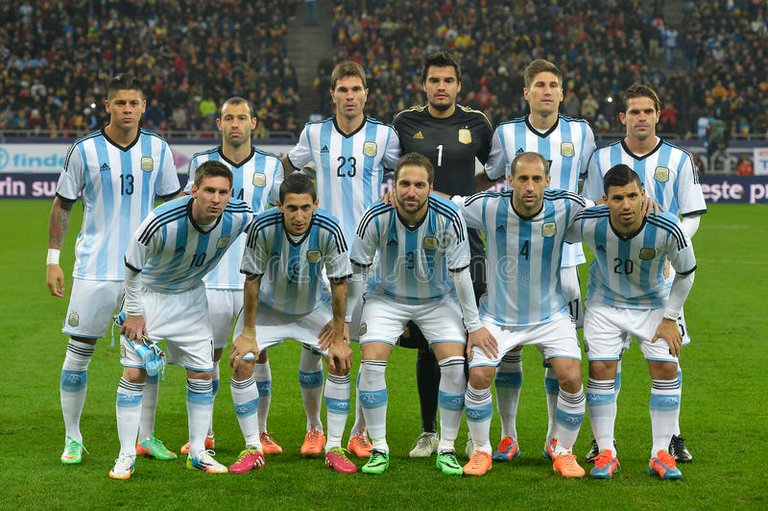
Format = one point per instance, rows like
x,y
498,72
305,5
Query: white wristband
x,y
53,256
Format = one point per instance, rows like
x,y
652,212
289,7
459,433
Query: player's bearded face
x,y
442,86
413,189
626,205
349,96
236,124
640,118
545,93
297,209
125,108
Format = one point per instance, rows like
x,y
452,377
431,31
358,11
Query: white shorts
x,y
273,326
224,305
569,280
384,320
606,329
554,339
182,320
92,304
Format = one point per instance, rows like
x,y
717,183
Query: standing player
x,y
566,143
669,177
165,262
256,179
118,172
453,137
349,152
628,295
287,251
423,256
525,303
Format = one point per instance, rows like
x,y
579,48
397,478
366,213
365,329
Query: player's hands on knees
x,y
244,344
669,331
651,207
340,357
54,276
326,336
484,340
134,328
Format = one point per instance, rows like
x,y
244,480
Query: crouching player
x,y
525,304
285,254
166,259
627,295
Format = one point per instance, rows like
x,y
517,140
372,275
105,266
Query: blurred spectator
x,y
745,167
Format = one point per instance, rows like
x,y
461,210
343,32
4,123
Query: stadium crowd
x,y
56,55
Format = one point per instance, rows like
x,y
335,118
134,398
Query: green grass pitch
x,y
724,411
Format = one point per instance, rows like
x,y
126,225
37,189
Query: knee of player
x,y
662,370
242,369
199,375
134,375
602,369
480,377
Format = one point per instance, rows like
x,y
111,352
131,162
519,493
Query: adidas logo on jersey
x,y
418,135
600,248
104,167
180,250
391,242
324,149
501,228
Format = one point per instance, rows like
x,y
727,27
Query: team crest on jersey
x,y
369,149
647,253
313,256
223,242
363,329
661,174
147,163
566,149
430,243
73,319
259,179
549,229
465,136
418,135
122,350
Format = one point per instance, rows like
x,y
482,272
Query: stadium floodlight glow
x,y
93,105
609,99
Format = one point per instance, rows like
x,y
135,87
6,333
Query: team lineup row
x,y
425,263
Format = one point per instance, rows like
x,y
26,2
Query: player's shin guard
x,y
199,412
453,385
509,381
568,418
479,410
149,407
373,399
552,390
337,390
601,403
665,410
311,382
74,385
245,396
128,410
262,373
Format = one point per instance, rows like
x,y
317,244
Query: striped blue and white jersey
x,y
567,146
349,168
173,253
118,187
414,261
667,173
292,271
257,182
524,255
629,272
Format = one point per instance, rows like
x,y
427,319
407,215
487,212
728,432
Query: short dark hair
x,y
345,69
541,66
237,100
124,81
298,183
639,90
212,168
620,175
419,160
528,156
442,58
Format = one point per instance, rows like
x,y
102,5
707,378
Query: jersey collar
x,y
126,148
639,158
537,132
236,165
336,125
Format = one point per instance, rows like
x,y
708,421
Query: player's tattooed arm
x,y
57,229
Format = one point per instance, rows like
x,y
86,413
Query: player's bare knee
x,y
568,372
242,370
481,377
662,370
134,375
86,340
199,375
602,369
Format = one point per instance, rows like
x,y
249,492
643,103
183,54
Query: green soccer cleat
x,y
378,463
73,452
448,463
155,448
